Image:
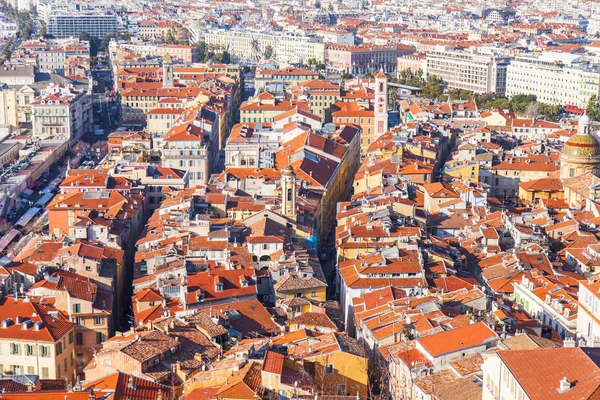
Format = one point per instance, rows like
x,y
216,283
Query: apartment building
x,y
551,303
158,29
290,49
35,340
187,54
412,63
289,76
89,309
555,78
480,73
61,112
546,373
71,23
365,57
193,145
588,325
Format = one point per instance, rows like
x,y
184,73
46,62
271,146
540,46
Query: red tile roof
x,y
540,371
458,339
273,363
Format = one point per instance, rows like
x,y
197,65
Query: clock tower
x,y
381,111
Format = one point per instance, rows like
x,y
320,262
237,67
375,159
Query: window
x,y
15,348
70,337
313,293
99,337
45,373
76,308
80,321
341,389
29,350
58,374
99,320
45,351
58,349
79,338
329,369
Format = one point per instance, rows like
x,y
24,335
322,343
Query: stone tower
x,y
381,111
288,192
167,71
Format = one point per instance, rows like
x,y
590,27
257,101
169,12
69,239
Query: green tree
x,y
501,104
202,50
521,101
592,110
269,52
433,88
550,111
170,38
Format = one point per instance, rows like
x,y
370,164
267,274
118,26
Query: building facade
x,y
555,78
289,49
65,24
480,73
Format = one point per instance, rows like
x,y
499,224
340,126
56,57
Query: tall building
x,y
64,24
480,73
555,78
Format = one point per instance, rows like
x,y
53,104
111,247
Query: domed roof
x,y
582,144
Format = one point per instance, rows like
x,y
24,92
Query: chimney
x,y
92,395
564,385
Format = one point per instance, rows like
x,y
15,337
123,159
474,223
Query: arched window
x,y
289,194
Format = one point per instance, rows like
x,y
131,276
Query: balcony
x,y
201,154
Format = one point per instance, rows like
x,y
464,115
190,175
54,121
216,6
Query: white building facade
x,y
288,49
555,78
588,317
480,73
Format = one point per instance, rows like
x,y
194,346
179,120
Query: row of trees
x,y
98,45
523,104
431,88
